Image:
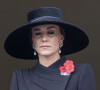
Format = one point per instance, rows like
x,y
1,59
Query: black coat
x,y
49,78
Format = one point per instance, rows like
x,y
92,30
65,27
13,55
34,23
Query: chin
x,y
45,53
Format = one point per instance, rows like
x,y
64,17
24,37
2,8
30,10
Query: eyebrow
x,y
37,29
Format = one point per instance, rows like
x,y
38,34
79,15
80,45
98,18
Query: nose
x,y
44,38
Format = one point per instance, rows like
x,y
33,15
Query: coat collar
x,y
49,77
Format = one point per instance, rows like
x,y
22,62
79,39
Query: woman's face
x,y
46,39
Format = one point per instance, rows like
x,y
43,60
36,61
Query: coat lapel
x,y
50,83
49,78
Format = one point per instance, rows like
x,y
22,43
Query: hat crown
x,y
44,11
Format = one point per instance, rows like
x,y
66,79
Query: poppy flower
x,y
63,69
68,67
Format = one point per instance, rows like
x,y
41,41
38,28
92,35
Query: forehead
x,y
46,26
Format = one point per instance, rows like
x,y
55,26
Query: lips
x,y
44,46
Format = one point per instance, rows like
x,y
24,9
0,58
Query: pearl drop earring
x,y
34,52
61,44
34,49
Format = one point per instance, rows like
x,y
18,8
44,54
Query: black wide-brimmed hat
x,y
17,43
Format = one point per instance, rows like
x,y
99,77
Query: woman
x,y
48,38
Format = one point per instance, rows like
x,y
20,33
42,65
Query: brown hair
x,y
62,31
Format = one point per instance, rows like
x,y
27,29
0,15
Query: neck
x,y
48,60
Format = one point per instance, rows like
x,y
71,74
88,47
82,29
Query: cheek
x,y
35,42
56,42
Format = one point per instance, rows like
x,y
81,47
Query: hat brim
x,y
18,45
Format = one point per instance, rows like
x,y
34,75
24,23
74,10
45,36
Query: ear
x,y
61,38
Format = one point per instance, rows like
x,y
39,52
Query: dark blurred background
x,y
83,13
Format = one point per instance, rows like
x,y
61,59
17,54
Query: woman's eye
x,y
37,33
51,32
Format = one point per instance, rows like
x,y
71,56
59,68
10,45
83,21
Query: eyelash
x,y
48,33
37,33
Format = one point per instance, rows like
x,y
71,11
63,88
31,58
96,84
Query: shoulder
x,y
19,72
22,72
83,66
84,71
86,76
19,79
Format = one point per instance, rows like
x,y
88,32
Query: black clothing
x,y
49,78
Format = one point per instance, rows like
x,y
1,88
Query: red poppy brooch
x,y
67,68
